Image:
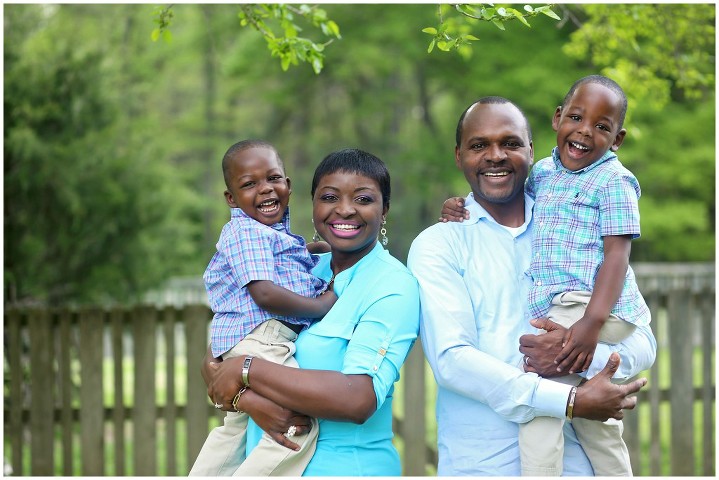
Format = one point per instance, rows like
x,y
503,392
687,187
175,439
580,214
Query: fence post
x,y
413,426
681,330
65,384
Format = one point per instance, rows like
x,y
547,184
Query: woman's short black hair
x,y
353,160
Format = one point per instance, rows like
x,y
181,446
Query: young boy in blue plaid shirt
x,y
585,215
262,291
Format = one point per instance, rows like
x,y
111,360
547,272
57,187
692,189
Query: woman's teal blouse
x,y
369,330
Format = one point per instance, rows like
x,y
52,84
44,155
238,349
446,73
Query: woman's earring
x,y
316,237
383,233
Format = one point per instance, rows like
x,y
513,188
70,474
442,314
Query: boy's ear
x,y
289,184
618,140
230,199
556,117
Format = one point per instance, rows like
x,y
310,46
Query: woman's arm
x,y
318,393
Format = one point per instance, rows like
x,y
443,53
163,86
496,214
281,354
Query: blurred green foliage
x,y
113,142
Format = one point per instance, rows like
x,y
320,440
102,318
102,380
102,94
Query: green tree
x,y
89,216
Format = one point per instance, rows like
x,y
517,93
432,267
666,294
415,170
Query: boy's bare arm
x,y
581,339
280,301
453,210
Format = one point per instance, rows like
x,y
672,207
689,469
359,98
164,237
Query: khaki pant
x,y
223,453
541,441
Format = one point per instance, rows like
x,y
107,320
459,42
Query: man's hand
x,y
541,350
600,399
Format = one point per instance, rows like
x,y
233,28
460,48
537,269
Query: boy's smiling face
x,y
588,125
257,185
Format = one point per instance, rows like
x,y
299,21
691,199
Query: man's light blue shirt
x,y
473,301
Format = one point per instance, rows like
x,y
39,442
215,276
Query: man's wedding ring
x,y
218,405
291,431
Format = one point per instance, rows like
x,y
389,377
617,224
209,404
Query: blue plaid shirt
x,y
573,211
246,251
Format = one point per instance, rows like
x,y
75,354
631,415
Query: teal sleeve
x,y
385,334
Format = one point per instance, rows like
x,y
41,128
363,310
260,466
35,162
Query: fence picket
x,y
196,320
168,319
144,342
117,322
682,391
42,380
65,384
13,349
707,303
92,439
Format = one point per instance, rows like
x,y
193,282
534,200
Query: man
x,y
473,296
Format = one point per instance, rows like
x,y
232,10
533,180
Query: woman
x,y
351,358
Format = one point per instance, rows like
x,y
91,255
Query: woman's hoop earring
x,y
316,237
383,233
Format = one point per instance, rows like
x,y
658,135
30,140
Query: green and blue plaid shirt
x,y
573,211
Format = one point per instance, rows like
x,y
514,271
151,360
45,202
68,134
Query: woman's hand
x,y
274,419
224,380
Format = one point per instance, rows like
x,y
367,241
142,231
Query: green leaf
x,y
528,8
317,65
502,11
167,36
498,23
548,12
285,62
431,46
430,30
334,28
155,34
469,36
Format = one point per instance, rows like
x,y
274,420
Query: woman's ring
x,y
218,405
291,431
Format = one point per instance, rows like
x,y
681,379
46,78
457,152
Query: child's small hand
x,y
453,210
318,247
578,346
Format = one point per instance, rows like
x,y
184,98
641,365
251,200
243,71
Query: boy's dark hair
x,y
606,82
352,160
492,99
244,145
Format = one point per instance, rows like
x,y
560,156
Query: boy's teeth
x,y
580,147
498,174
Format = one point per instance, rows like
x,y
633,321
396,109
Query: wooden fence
x,y
118,391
